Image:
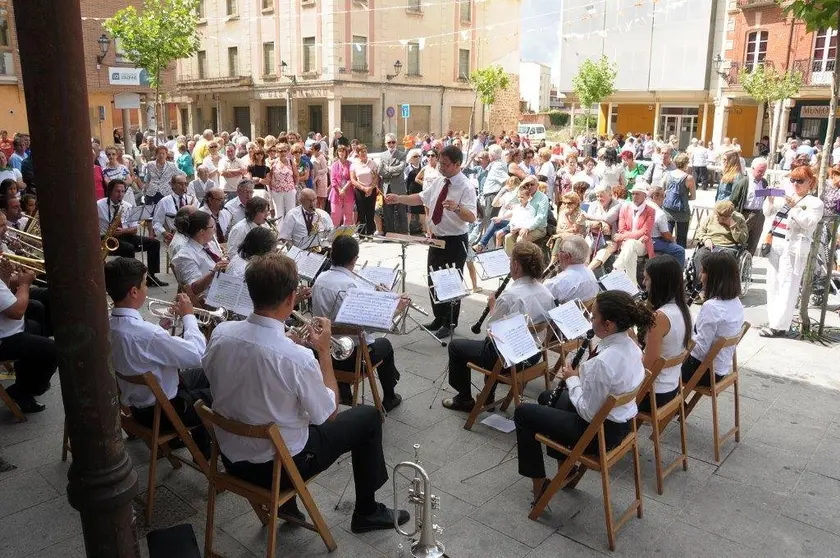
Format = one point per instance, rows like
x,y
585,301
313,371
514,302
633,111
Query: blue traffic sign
x,y
406,111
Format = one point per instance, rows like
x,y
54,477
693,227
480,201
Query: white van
x,y
534,132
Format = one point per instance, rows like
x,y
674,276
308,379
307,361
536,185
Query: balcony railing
x,y
190,80
733,77
747,4
814,72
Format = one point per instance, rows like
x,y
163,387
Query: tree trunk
x,y
771,109
471,140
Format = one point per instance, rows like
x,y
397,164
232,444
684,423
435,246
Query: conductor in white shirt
x,y
303,221
256,213
165,210
138,346
575,280
260,376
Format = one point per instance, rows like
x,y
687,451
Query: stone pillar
x,y
610,130
705,126
656,114
291,111
722,106
255,112
333,115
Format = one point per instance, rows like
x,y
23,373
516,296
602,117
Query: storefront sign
x,y
127,101
128,76
814,111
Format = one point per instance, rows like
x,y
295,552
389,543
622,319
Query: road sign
x,y
390,112
406,111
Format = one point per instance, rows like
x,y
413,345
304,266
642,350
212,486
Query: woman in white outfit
x,y
793,220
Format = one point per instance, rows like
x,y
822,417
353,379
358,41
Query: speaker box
x,y
173,542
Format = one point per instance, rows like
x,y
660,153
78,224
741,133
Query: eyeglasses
x,y
432,155
391,142
210,228
797,181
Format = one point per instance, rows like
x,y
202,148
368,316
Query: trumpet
x,y
341,348
30,244
163,309
420,494
32,264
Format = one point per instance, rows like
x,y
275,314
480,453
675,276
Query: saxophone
x,y
110,243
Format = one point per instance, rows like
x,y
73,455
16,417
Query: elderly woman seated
x,y
725,228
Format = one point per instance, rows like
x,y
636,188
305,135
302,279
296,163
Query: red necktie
x,y
220,235
437,214
213,256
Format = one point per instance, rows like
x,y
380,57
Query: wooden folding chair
x,y
157,440
602,462
365,367
658,417
9,366
717,386
266,503
517,380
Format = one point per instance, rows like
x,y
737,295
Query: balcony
x,y
188,81
750,4
814,72
733,76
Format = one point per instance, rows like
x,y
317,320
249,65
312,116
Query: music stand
x,y
463,293
493,263
136,213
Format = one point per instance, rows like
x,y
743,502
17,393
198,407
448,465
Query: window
x,y
414,6
463,63
201,14
413,57
756,49
267,4
202,64
825,50
466,10
233,61
308,54
231,8
269,63
359,54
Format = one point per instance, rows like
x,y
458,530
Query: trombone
x,y
30,243
163,310
32,264
341,348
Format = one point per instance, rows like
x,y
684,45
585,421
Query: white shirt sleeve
x,y
316,398
159,218
7,297
589,391
705,330
188,270
176,352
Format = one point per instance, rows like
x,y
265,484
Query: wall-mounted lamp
x,y
397,70
284,68
718,62
104,46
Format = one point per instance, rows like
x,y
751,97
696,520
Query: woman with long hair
x,y
258,171
342,199
258,242
610,171
732,171
671,331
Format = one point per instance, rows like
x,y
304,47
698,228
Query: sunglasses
x,y
797,181
391,143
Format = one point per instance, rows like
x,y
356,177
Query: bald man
x,y
301,223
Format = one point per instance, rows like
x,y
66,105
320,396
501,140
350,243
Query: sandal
x,y
770,332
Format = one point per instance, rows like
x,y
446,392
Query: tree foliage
x,y
487,82
766,85
594,81
817,14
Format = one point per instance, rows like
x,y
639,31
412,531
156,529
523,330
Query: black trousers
x,y
132,243
395,218
380,349
680,231
35,359
455,253
690,366
39,312
661,399
701,177
755,224
482,353
357,430
561,423
192,387
366,208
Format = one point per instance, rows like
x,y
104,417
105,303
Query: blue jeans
x,y
493,229
670,248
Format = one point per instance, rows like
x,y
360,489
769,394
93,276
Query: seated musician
x,y
236,206
327,293
615,370
200,258
214,204
722,315
181,224
671,329
165,210
258,242
259,375
524,296
575,280
138,346
635,226
17,219
35,356
723,229
126,233
305,220
38,314
256,213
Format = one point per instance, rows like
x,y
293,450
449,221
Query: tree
x,y
164,31
766,85
818,14
486,83
594,82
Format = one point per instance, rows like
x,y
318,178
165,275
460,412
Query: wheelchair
x,y
742,256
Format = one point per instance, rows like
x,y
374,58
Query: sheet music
x,y
309,264
448,284
570,320
135,214
378,275
293,252
513,339
618,281
230,293
766,192
495,263
500,423
372,309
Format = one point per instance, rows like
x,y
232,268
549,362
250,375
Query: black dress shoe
x,y
391,403
382,518
290,508
26,402
434,325
456,404
443,332
153,281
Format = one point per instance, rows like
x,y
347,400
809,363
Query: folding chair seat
x,y
365,368
716,387
603,462
516,377
265,502
9,367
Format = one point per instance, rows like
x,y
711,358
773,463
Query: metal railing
x,y
733,76
814,71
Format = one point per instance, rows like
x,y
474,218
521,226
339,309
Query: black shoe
x,y
769,332
153,281
290,508
391,403
6,466
26,402
346,400
456,404
434,325
443,332
382,518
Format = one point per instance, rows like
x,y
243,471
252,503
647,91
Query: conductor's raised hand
x,y
391,198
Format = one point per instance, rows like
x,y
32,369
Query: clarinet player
x,y
451,202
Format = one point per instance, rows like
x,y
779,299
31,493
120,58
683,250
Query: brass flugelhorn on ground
x,y
341,348
420,494
163,310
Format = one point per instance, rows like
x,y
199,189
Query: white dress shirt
x,y
138,346
329,291
672,345
717,318
224,218
237,265
660,221
230,183
460,191
575,282
293,227
238,233
523,296
615,370
20,224
192,263
178,242
236,209
164,217
259,376
106,212
8,326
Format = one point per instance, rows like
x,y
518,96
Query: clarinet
x,y
552,399
476,328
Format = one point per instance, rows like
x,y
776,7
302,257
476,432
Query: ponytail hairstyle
x,y
667,285
621,309
529,257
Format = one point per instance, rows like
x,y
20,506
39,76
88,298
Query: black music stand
x,y
451,300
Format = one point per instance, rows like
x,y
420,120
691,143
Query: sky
x,y
540,25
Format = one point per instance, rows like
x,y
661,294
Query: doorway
x,y
316,119
242,119
680,122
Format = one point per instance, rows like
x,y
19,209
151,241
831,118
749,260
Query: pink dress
x,y
320,169
341,208
282,178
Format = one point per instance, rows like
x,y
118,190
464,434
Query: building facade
x,y
759,33
315,65
12,102
535,86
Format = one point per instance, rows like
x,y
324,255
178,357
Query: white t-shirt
x,y
8,327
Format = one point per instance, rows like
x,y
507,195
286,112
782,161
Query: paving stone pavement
x,y
776,493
